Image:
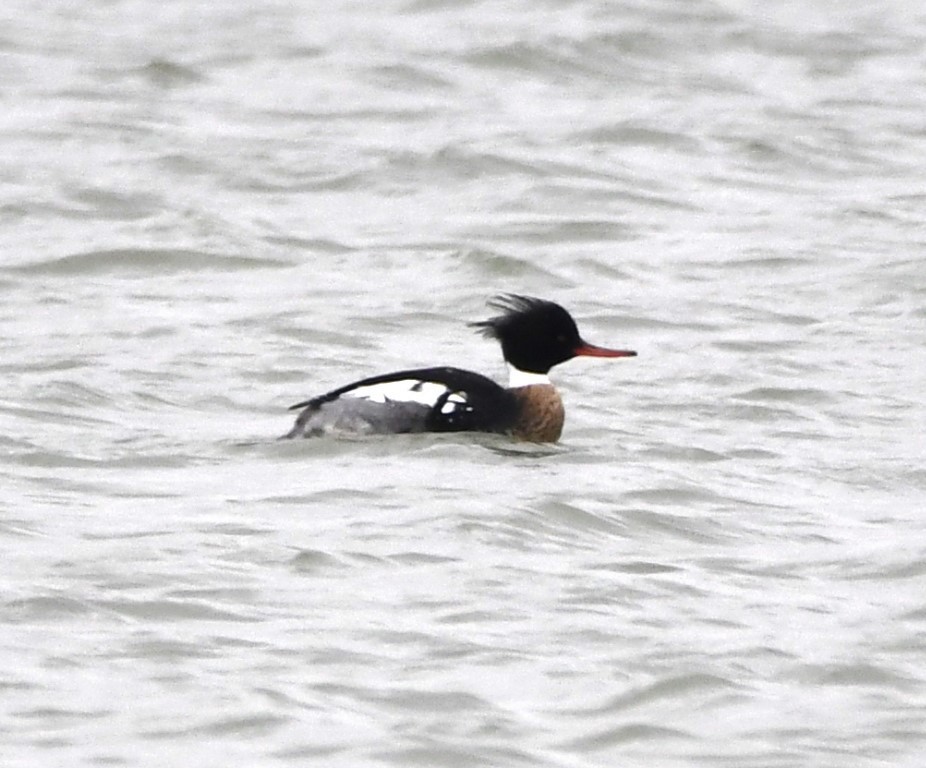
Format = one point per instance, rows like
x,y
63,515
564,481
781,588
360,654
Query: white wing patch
x,y
454,402
410,391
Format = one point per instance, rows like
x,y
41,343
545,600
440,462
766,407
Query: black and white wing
x,y
421,400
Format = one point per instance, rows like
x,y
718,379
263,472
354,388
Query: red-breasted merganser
x,y
535,335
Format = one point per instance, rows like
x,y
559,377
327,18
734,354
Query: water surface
x,y
211,212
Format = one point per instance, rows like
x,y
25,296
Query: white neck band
x,y
519,378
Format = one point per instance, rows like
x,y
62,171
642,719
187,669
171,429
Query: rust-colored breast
x,y
541,413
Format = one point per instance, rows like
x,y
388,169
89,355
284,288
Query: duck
x,y
535,335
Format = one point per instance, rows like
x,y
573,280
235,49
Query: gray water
x,y
213,210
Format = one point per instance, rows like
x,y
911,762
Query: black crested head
x,y
535,334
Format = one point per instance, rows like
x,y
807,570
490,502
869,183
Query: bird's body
x,y
535,335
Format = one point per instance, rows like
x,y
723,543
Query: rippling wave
x,y
210,212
